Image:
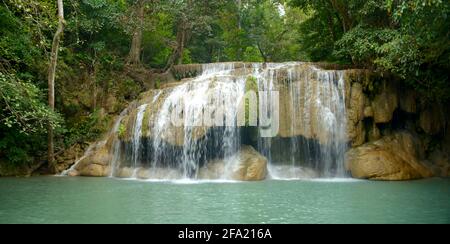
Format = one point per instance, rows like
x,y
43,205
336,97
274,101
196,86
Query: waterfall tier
x,y
235,121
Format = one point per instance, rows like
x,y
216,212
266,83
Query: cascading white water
x,y
116,150
177,144
316,143
116,144
136,145
215,89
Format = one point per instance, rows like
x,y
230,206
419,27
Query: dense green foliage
x,y
409,39
24,118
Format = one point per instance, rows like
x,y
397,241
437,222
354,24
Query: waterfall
x,y
316,122
136,144
177,132
115,150
212,90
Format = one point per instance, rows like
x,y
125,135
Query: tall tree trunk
x,y
342,10
134,58
331,27
184,31
181,46
51,80
239,3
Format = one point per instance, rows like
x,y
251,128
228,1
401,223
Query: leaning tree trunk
x,y
134,58
51,80
263,55
178,48
183,37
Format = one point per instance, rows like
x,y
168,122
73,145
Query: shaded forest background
x,y
107,42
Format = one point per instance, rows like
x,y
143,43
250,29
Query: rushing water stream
x,y
105,200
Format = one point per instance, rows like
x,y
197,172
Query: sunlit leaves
x,y
23,108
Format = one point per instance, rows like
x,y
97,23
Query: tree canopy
x,y
407,38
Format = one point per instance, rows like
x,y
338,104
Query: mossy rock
x,y
180,72
146,120
251,84
127,126
370,81
122,131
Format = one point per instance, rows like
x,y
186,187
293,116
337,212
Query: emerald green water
x,y
104,200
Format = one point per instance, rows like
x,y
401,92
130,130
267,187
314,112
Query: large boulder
x,y
395,157
94,170
95,162
250,166
246,165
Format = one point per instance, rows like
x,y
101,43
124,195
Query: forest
x,y
67,67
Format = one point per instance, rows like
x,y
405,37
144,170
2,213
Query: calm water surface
x,y
104,200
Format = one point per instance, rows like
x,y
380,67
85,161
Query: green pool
x,y
105,200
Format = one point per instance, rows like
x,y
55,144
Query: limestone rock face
x,y
357,134
373,133
310,103
407,101
432,120
393,157
385,103
355,114
356,110
368,112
